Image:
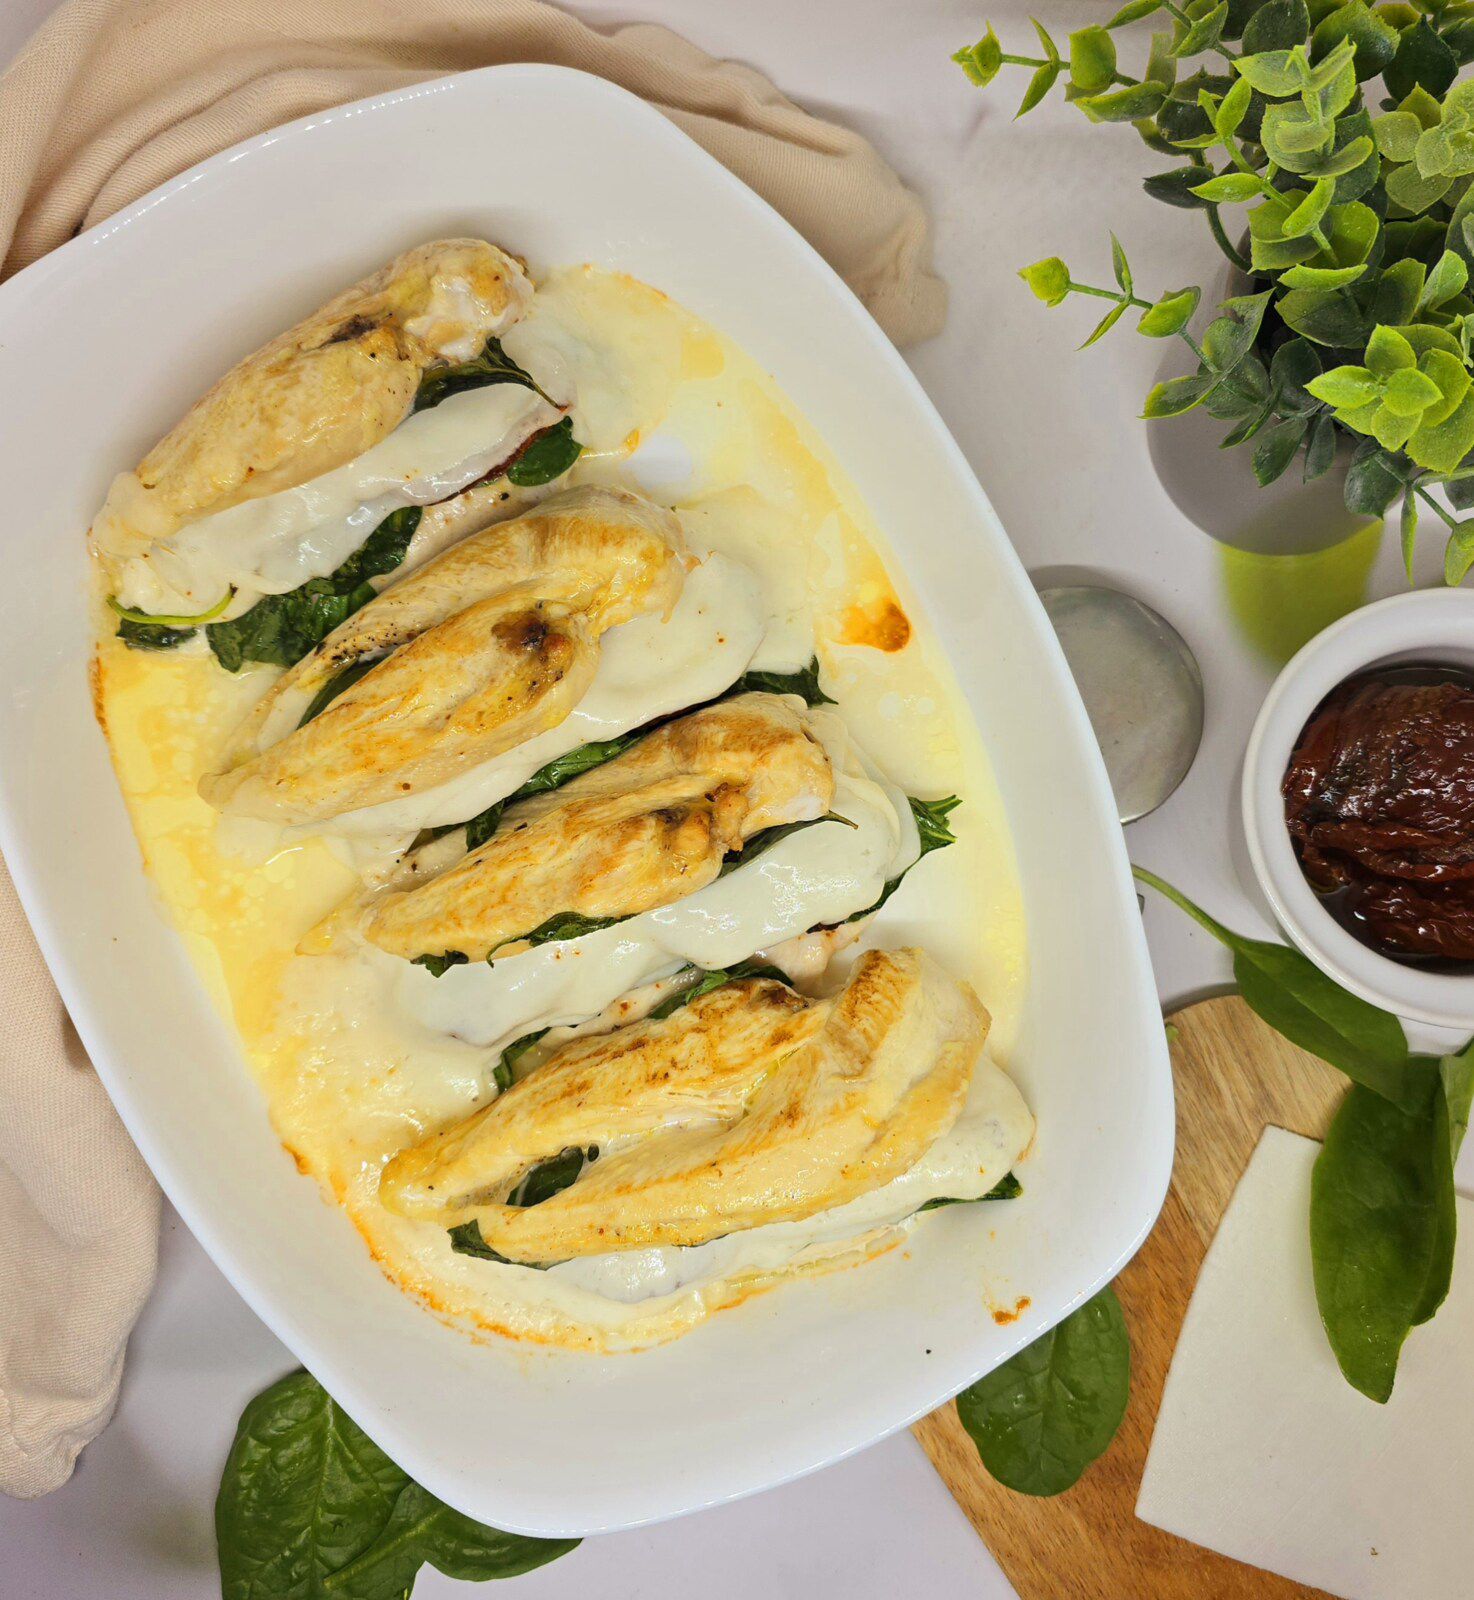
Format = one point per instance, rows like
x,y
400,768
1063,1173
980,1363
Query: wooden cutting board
x,y
1234,1076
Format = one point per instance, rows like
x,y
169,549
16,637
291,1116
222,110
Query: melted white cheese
x,y
990,1134
821,874
648,668
272,544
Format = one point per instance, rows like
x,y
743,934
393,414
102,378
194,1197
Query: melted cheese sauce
x,y
277,542
665,402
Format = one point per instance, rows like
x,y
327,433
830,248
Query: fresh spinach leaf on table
x,y
282,628
1042,1417
1383,1217
309,1506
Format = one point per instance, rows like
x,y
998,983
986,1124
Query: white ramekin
x,y
1427,625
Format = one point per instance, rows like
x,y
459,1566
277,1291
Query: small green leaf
x,y
1205,33
1408,189
1131,104
1409,393
1230,188
1120,266
1175,188
1092,59
1277,25
1134,12
1175,396
1320,448
1303,277
1372,483
1448,278
1396,133
1459,556
1050,48
1442,447
1374,39
1171,314
1039,86
1306,216
1231,110
1276,450
1408,530
1397,292
982,60
1328,318
1346,386
1049,279
1388,351
1043,1416
1107,322
1273,73
1423,61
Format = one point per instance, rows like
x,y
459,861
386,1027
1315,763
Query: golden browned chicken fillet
x,y
643,830
489,644
748,1106
321,393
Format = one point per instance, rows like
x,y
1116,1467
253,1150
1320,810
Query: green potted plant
x,y
1342,131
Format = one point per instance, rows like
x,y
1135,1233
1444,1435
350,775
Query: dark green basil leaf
x,y
1007,1188
1042,1417
310,1506
546,457
467,1240
562,925
505,1074
1299,1001
1381,1230
282,628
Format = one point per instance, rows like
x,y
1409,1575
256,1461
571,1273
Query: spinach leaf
x,y
310,1506
1042,1417
505,1073
561,925
804,682
766,838
438,966
716,978
1311,1010
336,685
1381,1230
935,833
468,1240
151,635
552,1176
493,365
547,456
282,628
1007,1188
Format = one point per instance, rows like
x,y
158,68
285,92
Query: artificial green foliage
x,y
1343,133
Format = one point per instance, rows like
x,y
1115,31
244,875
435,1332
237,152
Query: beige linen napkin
x,y
109,99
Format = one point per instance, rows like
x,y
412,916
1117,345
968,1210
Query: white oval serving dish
x,y
102,345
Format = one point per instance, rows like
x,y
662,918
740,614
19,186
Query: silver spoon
x,y
1141,687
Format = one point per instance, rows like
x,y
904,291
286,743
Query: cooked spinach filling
x,y
281,628
935,833
1007,1188
572,925
540,1182
336,685
563,769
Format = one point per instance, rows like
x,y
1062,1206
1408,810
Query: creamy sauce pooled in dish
x,y
355,1068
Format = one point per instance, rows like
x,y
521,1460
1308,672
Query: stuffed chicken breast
x,y
747,1107
484,648
395,396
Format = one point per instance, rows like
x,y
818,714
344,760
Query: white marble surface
x,y
1052,435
